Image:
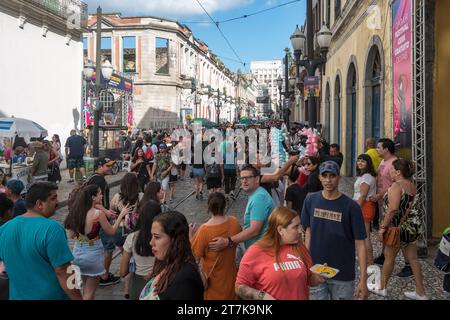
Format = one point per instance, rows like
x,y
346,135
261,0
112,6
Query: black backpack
x,y
213,171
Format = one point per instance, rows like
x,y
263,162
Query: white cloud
x,y
165,8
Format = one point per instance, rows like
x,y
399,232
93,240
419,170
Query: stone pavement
x,y
64,188
196,212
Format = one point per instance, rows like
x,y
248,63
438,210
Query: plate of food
x,y
324,271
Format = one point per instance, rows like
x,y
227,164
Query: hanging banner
x,y
130,116
311,87
402,45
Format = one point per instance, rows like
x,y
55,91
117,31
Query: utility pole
x,y
98,70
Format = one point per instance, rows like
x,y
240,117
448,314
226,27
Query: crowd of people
x,y
295,219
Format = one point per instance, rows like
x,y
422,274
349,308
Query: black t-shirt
x,y
141,169
187,285
294,193
100,181
76,146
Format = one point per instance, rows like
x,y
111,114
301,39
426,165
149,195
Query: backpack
x,y
74,192
149,153
213,171
442,260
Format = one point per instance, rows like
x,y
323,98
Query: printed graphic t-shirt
x,y
335,225
285,280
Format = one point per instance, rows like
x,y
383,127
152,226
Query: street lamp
x,y
310,63
280,88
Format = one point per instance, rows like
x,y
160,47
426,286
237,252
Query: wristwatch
x,y
261,294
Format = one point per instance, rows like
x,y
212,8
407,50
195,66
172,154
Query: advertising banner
x,y
312,87
402,77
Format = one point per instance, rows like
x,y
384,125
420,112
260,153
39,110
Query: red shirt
x,y
285,280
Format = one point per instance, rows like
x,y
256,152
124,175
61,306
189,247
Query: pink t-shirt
x,y
259,270
384,180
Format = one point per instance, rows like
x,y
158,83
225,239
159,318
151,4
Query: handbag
x,y
205,276
392,235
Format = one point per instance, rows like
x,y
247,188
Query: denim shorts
x,y
164,183
333,290
89,258
111,242
198,172
75,163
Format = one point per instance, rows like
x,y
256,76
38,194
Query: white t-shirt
x,y
370,181
144,265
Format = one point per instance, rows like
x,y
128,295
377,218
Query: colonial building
x,y
41,62
386,75
175,75
267,73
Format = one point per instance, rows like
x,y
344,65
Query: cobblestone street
x,y
196,212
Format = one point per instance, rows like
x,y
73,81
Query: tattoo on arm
x,y
247,293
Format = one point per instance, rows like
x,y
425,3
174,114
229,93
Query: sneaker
x,y
379,260
112,279
414,296
197,197
71,181
379,292
406,272
84,178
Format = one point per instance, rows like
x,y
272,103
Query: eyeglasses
x,y
246,178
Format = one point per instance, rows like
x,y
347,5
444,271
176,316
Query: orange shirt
x,y
223,276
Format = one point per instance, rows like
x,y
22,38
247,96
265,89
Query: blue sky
x,y
260,37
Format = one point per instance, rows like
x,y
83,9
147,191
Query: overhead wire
x,y
223,35
246,15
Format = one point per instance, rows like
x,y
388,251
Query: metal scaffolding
x,y
419,112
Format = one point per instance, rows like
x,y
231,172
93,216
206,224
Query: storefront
x,y
117,114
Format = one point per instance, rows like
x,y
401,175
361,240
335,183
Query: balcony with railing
x,y
64,8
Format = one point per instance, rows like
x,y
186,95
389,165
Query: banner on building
x,y
312,87
117,82
402,77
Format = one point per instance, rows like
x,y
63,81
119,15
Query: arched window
x,y
327,112
351,126
328,13
337,9
337,111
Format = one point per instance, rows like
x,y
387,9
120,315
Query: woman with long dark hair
x,y
154,192
141,167
137,257
128,196
365,187
175,273
84,222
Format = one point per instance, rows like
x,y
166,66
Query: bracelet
x,y
230,242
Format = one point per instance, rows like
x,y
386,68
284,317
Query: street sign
x,y
312,87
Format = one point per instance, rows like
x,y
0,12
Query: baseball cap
x,y
102,161
329,166
16,186
163,146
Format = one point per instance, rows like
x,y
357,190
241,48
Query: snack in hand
x,y
324,270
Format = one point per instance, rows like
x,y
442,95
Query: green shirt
x,y
40,163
